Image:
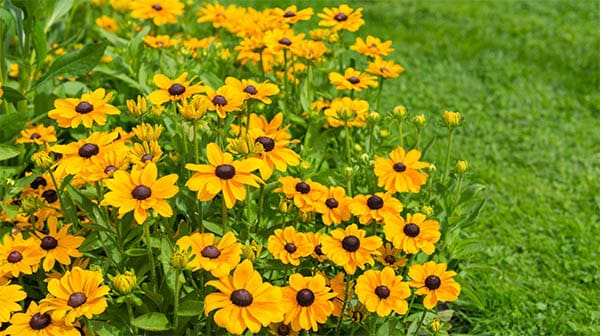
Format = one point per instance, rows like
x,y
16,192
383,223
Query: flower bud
x,y
285,205
419,120
251,251
306,217
399,111
451,119
125,283
373,117
435,325
461,166
431,168
358,148
42,160
31,203
137,108
384,133
427,210
180,259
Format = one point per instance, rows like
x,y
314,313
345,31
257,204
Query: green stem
x,y
348,162
176,300
261,201
447,162
130,314
342,312
224,215
285,72
418,138
147,238
400,133
220,131
420,323
379,93
458,187
196,149
262,65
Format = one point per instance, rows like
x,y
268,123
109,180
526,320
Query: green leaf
x,y
190,308
119,75
11,210
39,42
11,95
7,152
213,227
74,64
152,322
136,252
61,7
8,20
211,80
135,48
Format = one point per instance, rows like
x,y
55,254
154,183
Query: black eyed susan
x,y
372,46
147,132
141,191
314,239
306,194
413,234
382,291
173,90
289,246
91,108
385,69
59,245
281,329
375,208
292,15
347,112
391,257
307,302
38,134
435,282
10,295
342,17
217,14
108,162
244,301
107,23
338,286
19,256
225,99
352,80
252,89
275,153
78,293
400,173
159,11
334,206
310,50
278,40
145,152
350,248
76,156
219,258
35,323
160,41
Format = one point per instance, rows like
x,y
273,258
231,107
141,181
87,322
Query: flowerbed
x,y
201,169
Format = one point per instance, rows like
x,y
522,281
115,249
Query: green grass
x,y
525,76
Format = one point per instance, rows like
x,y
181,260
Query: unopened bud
x,y
125,283
461,166
451,119
427,210
419,120
399,111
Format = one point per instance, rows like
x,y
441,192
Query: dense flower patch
x,y
184,168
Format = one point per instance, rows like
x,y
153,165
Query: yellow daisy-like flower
x,y
306,302
160,41
275,154
289,246
107,163
400,172
141,191
306,194
173,90
19,255
107,23
414,234
350,248
314,239
382,291
278,40
292,15
385,69
375,208
38,134
217,14
217,258
342,17
59,245
347,112
223,174
333,207
78,293
225,99
281,329
146,152
352,80
9,296
244,301
338,285
309,50
391,257
160,11
372,46
78,155
91,108
252,89
35,323
435,282
147,132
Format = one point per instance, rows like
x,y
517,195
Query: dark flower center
x,y
305,297
110,169
411,230
375,202
241,297
332,203
340,17
49,243
211,252
141,192
287,15
56,156
390,259
219,100
84,107
39,321
225,171
157,7
14,257
285,41
302,188
147,157
50,195
290,247
76,299
353,80
382,291
433,282
88,150
318,250
399,167
350,243
176,89
38,181
251,89
35,136
267,143
283,330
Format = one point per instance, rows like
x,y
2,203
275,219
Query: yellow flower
x,y
419,120
352,80
217,14
314,239
382,292
141,191
160,11
9,296
385,69
289,246
350,248
125,283
342,17
13,70
391,257
292,15
372,46
217,258
225,99
400,172
414,234
435,282
244,301
306,194
35,323
278,40
146,152
172,90
107,163
223,174
77,156
38,134
160,41
59,245
306,302
375,208
77,293
107,23
451,119
137,107
147,132
333,207
91,108
253,90
347,112
461,166
194,108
